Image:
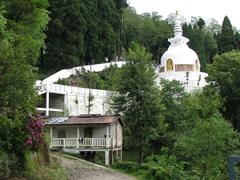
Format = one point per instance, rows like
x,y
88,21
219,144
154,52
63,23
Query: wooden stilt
x,y
121,155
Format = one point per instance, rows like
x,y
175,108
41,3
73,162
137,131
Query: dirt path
x,y
76,169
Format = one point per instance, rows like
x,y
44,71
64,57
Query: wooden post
x,y
107,137
47,103
107,131
107,157
78,137
121,155
117,155
112,157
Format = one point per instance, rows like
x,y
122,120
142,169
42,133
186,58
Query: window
x,y
169,65
184,67
61,133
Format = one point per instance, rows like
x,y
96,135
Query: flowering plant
x,y
35,126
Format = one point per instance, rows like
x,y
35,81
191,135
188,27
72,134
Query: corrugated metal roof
x,y
85,119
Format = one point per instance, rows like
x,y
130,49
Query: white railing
x,y
65,73
64,89
81,142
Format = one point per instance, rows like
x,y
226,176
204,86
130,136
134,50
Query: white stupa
x,y
180,62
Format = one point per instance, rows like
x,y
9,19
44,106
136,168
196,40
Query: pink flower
x,y
29,142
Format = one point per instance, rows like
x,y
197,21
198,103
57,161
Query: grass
x,y
38,171
132,169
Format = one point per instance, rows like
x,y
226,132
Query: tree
x,y
225,39
21,36
206,139
224,75
81,31
237,41
172,96
213,26
200,40
138,100
148,30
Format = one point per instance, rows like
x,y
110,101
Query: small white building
x,y
87,133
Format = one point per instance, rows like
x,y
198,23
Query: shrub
x,y
4,166
9,166
164,167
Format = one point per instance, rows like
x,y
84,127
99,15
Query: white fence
x,y
81,142
63,89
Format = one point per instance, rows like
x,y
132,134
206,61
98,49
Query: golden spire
x,y
177,13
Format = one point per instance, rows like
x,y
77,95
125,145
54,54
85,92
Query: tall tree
x,y
224,74
83,32
225,39
172,96
148,30
139,101
197,145
201,41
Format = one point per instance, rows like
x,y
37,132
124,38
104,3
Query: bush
x,y
161,167
4,166
126,166
9,166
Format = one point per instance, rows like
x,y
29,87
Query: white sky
x,y
207,9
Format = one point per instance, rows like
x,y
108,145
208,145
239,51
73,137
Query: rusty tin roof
x,y
85,119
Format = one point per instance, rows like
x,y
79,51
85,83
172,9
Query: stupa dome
x,y
179,57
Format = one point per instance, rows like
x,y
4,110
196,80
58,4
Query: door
x,y
61,133
88,132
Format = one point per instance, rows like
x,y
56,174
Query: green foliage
x,y
4,166
164,167
9,166
208,146
82,32
201,41
148,30
225,39
21,36
37,171
90,100
173,94
224,75
172,97
139,101
106,79
206,139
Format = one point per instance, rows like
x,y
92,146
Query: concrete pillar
x,y
107,157
47,103
51,135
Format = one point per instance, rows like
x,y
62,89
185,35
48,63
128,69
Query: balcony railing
x,y
81,142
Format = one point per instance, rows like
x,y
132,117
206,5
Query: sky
x,y
207,9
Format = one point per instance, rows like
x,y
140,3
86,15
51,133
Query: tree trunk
x,y
140,156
